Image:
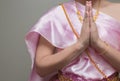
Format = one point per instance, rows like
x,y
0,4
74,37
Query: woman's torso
x,y
61,36
82,66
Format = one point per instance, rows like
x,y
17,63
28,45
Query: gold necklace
x,y
95,16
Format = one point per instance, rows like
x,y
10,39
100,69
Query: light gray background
x,y
16,18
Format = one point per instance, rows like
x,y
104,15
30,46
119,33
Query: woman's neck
x,y
95,3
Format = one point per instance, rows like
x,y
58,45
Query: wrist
x,y
105,48
101,46
79,45
97,45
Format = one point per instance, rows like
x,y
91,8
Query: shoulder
x,y
56,10
51,12
115,5
56,13
53,17
113,10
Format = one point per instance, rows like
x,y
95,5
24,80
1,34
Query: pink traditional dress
x,y
55,28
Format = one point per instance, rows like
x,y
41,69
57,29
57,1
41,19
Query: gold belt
x,y
114,77
61,77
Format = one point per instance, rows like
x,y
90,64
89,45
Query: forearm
x,y
58,60
111,54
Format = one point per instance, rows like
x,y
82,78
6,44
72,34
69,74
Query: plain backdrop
x,y
16,18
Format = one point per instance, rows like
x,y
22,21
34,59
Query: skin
x,y
106,7
45,60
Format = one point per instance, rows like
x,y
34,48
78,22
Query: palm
x,y
94,36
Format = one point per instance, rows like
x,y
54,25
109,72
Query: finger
x,y
90,12
86,17
86,9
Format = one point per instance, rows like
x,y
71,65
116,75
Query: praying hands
x,y
89,37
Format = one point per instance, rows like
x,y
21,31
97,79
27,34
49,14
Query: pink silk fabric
x,y
54,27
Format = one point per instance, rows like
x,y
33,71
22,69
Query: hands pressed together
x,y
89,37
89,33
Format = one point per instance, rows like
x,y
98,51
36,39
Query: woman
x,y
64,46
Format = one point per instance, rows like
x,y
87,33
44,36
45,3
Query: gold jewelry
x,y
61,77
95,16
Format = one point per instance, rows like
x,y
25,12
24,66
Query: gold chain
x,y
80,16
